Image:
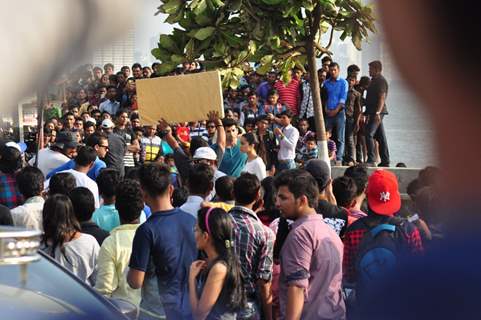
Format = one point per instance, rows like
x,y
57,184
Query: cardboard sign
x,y
180,98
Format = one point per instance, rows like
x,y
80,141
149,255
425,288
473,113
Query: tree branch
x,y
331,36
249,11
314,28
321,49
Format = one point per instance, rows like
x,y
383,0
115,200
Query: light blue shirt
x,y
110,106
336,92
107,217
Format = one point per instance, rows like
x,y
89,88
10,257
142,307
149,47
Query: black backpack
x,y
379,252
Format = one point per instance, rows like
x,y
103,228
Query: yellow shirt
x,y
113,264
222,205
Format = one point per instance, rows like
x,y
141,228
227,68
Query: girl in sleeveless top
x,y
215,285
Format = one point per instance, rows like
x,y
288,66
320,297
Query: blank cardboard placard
x,y
180,98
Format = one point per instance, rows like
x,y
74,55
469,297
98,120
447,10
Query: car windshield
x,y
42,290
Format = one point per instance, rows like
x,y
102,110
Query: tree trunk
x,y
41,101
316,99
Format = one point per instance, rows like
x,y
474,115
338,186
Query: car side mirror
x,y
127,308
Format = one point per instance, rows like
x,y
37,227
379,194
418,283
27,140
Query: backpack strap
x,y
382,227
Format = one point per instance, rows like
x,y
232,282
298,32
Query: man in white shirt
x,y
288,136
30,184
64,148
110,105
200,185
83,163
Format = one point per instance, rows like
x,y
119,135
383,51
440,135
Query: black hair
x,y
286,113
89,124
281,236
299,183
59,223
270,212
124,67
221,232
200,179
95,139
325,59
129,201
246,189
334,65
85,156
10,159
224,188
5,216
155,64
30,182
273,92
196,143
68,114
413,187
120,111
429,176
154,179
376,64
353,68
62,183
229,122
83,203
251,139
427,202
345,190
137,65
311,137
179,196
401,165
107,180
360,176
134,116
364,81
111,87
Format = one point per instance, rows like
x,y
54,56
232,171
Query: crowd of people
x,y
227,218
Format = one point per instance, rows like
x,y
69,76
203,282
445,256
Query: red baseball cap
x,y
383,193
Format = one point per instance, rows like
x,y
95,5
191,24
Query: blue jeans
x,y
285,165
339,123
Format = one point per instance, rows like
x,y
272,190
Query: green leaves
x,y
167,43
204,33
226,34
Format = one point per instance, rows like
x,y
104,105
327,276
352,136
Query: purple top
x,y
311,258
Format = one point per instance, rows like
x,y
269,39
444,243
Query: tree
x,y
277,34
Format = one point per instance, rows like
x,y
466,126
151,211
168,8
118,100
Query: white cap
x,y
107,124
205,153
19,146
91,120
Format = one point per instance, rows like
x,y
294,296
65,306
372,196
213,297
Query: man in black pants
x,y
375,111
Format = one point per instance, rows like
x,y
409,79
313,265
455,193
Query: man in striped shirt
x,y
254,245
289,94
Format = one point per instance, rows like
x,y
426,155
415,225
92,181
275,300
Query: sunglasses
x,y
106,147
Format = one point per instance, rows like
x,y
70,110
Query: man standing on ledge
x,y
336,88
375,112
